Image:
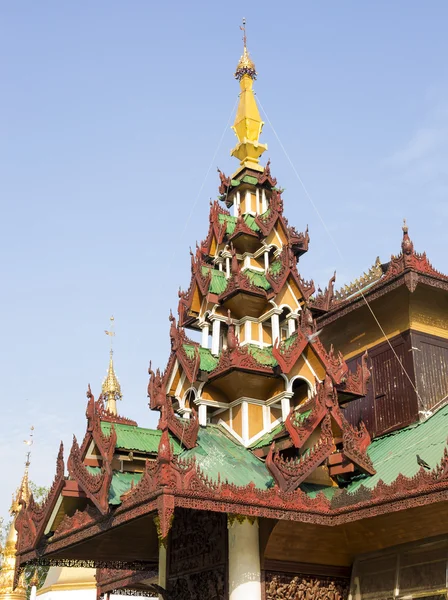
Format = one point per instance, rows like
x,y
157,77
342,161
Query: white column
x,y
275,323
33,593
291,324
216,331
264,203
205,334
248,201
202,415
162,568
286,407
220,266
244,561
236,204
227,266
245,421
266,260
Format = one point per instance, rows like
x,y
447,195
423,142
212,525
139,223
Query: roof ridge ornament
x,y
245,65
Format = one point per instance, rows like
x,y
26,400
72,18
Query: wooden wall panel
x,y
431,368
391,401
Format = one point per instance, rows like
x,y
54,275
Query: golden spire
x,y
7,590
111,389
23,491
248,123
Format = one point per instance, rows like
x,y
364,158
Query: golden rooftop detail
x,y
111,388
373,274
248,123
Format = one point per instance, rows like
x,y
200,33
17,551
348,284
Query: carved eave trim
x,y
95,486
239,359
33,518
240,283
194,491
185,430
111,581
382,287
289,474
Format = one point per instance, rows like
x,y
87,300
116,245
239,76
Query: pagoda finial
x,y
23,491
111,389
407,247
248,123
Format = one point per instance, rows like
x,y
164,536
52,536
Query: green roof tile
x,y
121,483
208,361
231,222
262,355
275,267
130,437
268,438
217,454
395,453
250,222
257,278
250,179
218,283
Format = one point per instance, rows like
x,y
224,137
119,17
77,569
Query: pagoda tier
x,y
260,352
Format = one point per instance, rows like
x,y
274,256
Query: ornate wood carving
x,y
178,340
266,176
299,241
324,300
95,486
267,220
238,358
289,268
410,260
32,518
285,586
197,556
325,406
185,430
290,473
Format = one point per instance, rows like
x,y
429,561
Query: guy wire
x,y
313,204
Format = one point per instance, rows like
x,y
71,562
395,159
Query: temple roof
x,y
220,457
137,439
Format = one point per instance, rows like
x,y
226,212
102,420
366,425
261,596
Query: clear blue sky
x,y
110,114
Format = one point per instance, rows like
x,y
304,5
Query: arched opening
x,y
284,327
189,399
300,389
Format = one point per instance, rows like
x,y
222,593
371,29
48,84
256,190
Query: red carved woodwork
x,y
290,473
410,260
95,486
32,518
186,430
285,586
324,300
267,220
266,176
289,269
287,354
299,241
225,183
238,358
325,404
178,340
189,488
114,581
